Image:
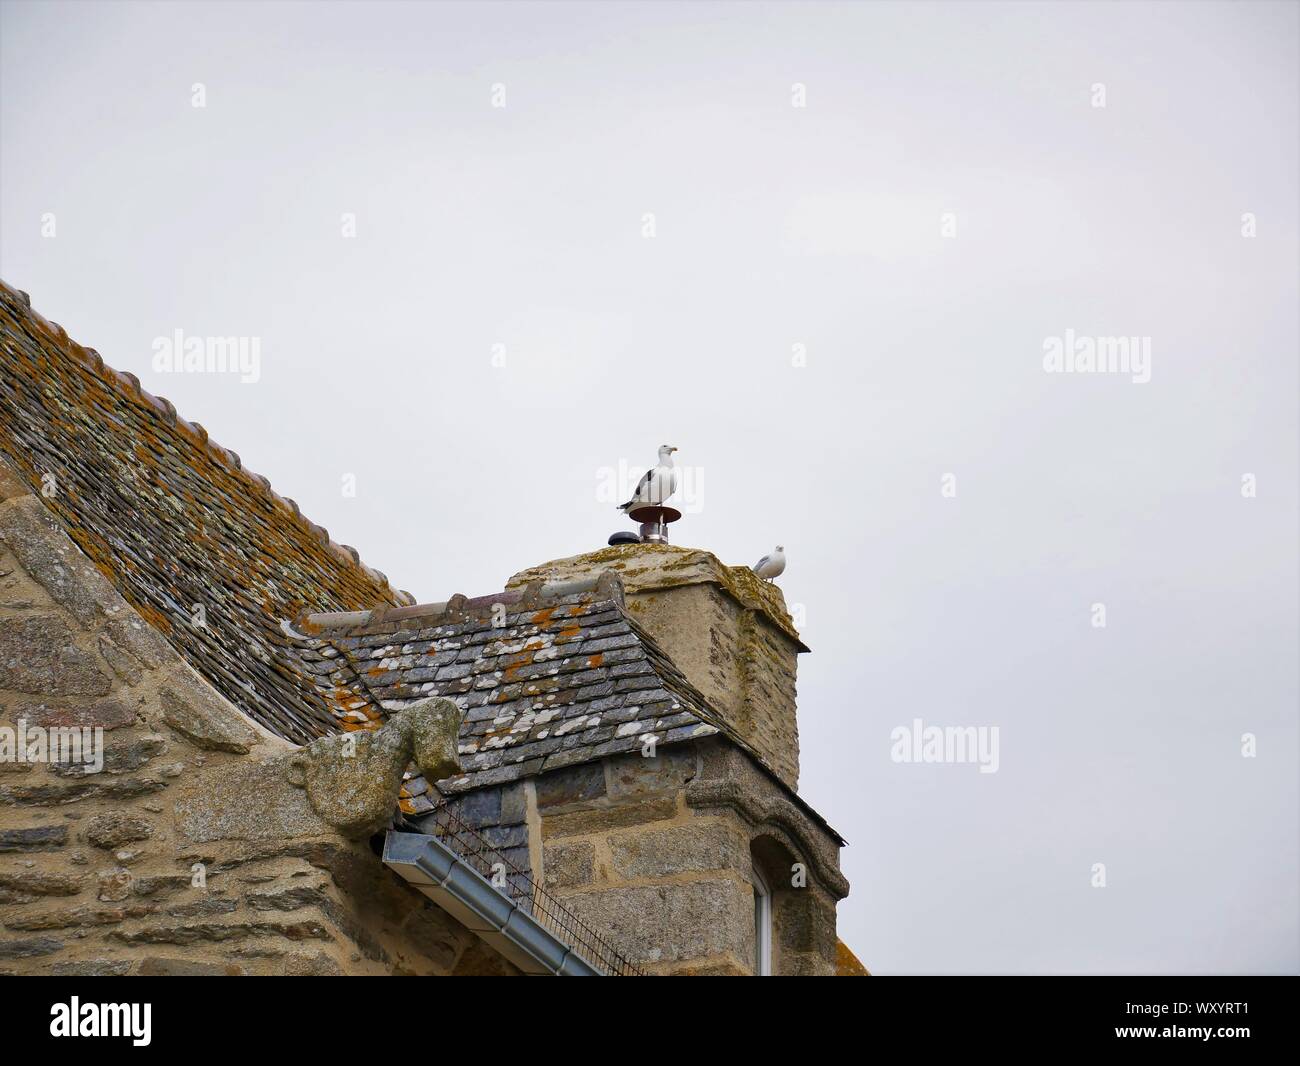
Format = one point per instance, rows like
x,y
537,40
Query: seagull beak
x,y
672,449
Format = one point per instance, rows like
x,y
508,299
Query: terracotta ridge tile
x,y
128,385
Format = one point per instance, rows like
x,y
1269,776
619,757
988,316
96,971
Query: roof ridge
x,y
605,585
128,386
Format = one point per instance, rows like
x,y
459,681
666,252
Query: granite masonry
x,y
211,716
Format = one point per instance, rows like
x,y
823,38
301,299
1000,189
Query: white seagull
x,y
658,484
771,566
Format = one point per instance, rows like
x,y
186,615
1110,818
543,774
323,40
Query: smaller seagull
x,y
771,566
658,484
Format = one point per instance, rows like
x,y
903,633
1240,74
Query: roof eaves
x,y
460,890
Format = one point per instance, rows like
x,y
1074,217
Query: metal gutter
x,y
460,890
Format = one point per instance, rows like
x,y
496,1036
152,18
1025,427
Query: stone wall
x,y
744,665
188,852
657,853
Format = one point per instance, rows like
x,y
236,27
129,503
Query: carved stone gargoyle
x,y
352,779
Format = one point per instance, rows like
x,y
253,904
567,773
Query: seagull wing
x,y
762,563
643,485
641,490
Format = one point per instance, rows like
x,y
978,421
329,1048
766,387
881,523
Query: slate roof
x,y
550,675
174,520
547,678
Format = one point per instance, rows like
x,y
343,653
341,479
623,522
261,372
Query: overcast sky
x,y
952,195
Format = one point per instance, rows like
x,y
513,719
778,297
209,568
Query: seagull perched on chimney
x,y
658,484
771,566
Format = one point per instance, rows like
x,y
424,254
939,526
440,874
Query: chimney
x,y
726,630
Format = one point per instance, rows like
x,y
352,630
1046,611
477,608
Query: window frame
x,y
762,926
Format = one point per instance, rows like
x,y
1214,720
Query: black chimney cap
x,y
624,536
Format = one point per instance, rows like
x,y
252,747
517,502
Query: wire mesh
x,y
519,886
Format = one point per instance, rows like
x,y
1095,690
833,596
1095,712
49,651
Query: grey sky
x,y
775,226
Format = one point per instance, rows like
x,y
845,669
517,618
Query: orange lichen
x,y
155,617
173,520
847,964
520,659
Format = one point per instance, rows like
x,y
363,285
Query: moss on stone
x,y
647,566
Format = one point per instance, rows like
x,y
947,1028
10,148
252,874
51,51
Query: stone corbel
x,y
352,779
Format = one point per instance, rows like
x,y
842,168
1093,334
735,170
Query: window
x,y
762,926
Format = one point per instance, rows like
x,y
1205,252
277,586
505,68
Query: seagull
x,y
658,484
771,566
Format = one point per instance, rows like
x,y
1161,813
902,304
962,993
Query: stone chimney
x,y
727,630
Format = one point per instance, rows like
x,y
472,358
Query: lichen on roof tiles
x,y
542,687
549,674
175,521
